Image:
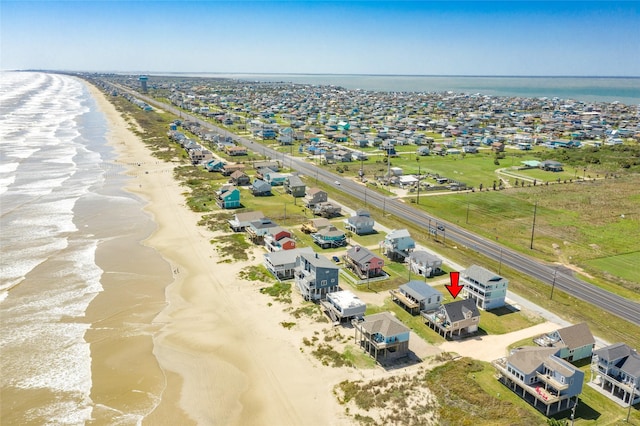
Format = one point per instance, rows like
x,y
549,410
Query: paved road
x,y
556,277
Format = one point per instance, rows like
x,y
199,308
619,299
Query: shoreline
x,y
223,354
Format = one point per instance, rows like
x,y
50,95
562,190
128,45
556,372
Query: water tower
x,y
143,82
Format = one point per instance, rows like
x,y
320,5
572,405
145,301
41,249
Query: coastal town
x,y
342,261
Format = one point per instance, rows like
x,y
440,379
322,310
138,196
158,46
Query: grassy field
x,y
592,224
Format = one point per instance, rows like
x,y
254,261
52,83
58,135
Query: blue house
x,y
228,198
541,378
315,276
398,244
260,188
382,336
215,165
360,223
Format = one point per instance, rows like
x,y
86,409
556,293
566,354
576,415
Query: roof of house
x,y
318,261
421,256
330,231
362,212
263,223
398,233
249,216
295,181
631,365
613,352
320,222
313,191
529,358
286,256
345,299
237,174
456,310
383,323
360,254
419,290
576,336
481,274
260,185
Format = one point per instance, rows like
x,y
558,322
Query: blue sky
x,y
580,38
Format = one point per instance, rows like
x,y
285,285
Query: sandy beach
x,y
216,349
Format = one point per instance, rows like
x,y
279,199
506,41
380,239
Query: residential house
x,y
257,229
551,166
541,378
486,289
228,169
382,336
329,237
228,198
315,276
398,244
214,165
315,196
276,178
235,150
239,178
423,151
278,238
364,262
360,223
314,225
615,369
260,188
271,164
241,220
200,155
424,263
326,210
573,343
282,264
458,317
417,296
294,186
343,305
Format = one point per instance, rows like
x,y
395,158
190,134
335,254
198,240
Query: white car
x,y
337,183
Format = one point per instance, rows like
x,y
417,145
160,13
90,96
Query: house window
x,y
323,282
532,379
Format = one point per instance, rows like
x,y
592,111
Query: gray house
x,y
541,378
361,223
424,263
315,196
616,369
282,263
259,228
315,276
241,220
260,188
417,296
294,186
398,244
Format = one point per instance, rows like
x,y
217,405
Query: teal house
x,y
228,198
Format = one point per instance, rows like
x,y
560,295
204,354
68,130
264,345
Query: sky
x,y
519,38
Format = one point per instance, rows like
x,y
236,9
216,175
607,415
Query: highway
x,y
556,277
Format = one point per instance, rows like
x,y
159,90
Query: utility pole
x,y
418,197
553,284
533,228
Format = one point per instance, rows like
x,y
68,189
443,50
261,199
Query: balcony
x,y
552,382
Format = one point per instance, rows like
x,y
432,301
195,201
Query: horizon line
x,y
161,73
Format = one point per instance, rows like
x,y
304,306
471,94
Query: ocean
x,y
625,90
62,205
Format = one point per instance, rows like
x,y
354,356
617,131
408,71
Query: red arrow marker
x,y
454,288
